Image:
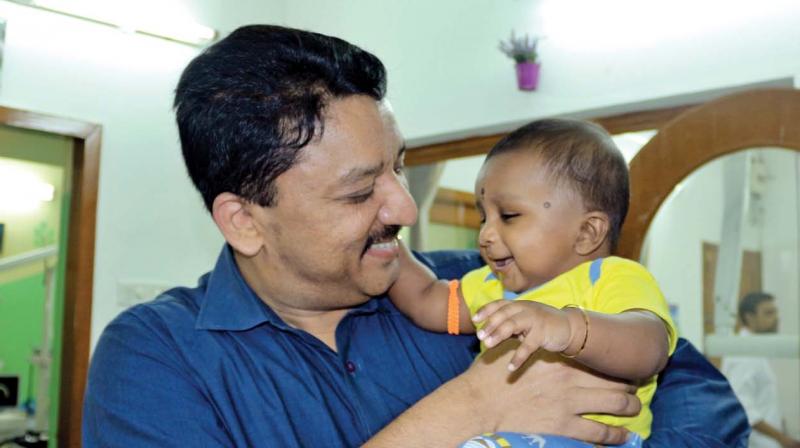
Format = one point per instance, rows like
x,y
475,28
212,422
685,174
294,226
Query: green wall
x,y
21,313
22,289
443,236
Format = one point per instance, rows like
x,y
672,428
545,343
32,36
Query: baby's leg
x,y
518,440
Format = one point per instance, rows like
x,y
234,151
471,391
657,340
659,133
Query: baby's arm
x,y
630,345
423,298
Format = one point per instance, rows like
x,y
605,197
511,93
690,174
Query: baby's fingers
x,y
499,327
494,314
527,347
489,309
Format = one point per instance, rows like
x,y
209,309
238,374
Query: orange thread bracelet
x,y
453,302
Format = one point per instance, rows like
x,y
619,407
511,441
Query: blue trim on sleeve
x,y
595,271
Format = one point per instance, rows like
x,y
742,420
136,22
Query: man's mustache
x,y
387,233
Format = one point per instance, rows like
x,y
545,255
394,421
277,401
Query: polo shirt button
x,y
350,366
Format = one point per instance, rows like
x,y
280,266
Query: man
x,y
289,340
752,378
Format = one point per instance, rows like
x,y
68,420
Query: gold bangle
x,y
585,334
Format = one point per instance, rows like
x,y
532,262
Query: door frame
x,y
78,287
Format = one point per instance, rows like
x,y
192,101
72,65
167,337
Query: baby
x,y
552,197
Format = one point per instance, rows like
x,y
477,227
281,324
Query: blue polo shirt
x,y
213,366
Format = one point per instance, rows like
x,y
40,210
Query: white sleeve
x,y
742,374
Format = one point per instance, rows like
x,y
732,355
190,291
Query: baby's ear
x,y
232,215
593,233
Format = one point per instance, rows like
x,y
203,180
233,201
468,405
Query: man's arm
x,y
776,434
138,395
694,406
547,397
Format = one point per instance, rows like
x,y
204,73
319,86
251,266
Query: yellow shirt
x,y
607,285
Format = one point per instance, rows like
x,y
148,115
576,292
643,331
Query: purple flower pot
x,y
527,75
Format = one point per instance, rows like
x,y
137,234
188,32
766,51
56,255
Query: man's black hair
x,y
248,104
750,302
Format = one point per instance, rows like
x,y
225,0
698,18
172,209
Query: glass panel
x,y
729,229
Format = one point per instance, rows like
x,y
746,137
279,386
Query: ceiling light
x,y
175,30
22,191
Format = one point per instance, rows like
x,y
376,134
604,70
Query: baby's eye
x,y
508,216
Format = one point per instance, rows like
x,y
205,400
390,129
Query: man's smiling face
x,y
339,208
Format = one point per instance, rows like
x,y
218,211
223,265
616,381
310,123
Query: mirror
x,y
728,229
747,203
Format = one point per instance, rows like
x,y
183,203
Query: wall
x,y
446,74
21,305
43,156
443,236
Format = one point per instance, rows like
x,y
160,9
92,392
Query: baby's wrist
x,y
578,331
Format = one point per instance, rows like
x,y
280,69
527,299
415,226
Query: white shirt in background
x,y
753,382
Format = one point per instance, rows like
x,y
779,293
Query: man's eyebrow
x,y
402,151
358,173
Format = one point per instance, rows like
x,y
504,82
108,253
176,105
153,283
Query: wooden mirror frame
x,y
758,118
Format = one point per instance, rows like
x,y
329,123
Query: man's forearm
x,y
544,396
772,432
446,417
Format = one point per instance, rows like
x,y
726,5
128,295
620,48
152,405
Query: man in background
x,y
753,379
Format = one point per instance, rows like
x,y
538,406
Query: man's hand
x,y
547,396
788,442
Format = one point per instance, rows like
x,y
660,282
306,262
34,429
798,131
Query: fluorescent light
x,y
191,33
21,191
175,30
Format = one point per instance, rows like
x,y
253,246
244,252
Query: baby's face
x,y
529,222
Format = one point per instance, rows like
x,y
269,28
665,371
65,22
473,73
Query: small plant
x,y
520,49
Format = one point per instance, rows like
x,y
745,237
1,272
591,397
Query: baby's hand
x,y
535,324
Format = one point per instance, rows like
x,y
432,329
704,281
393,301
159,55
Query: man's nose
x,y
398,206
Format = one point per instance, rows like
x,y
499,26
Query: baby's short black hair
x,y
583,155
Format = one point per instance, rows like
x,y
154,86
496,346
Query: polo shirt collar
x,y
230,304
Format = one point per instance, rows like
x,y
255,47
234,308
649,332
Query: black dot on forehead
x,y
546,204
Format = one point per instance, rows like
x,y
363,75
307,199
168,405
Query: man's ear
x,y
237,224
593,233
747,319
